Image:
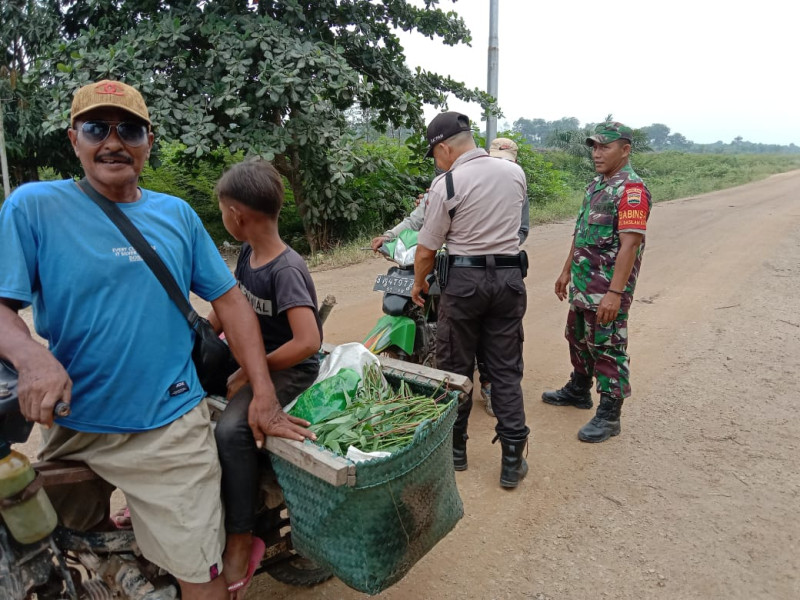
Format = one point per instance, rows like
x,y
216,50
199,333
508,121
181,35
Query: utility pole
x,y
491,83
3,160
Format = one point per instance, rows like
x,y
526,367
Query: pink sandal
x,y
122,519
256,554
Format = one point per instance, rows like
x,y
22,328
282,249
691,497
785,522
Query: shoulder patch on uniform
x,y
632,213
633,193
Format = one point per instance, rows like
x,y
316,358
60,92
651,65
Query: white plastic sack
x,y
353,355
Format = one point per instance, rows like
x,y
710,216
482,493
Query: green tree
x,y
658,135
545,183
272,78
573,143
677,141
538,131
29,28
534,131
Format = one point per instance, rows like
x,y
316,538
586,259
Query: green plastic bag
x,y
327,396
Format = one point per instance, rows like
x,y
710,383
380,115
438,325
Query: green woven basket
x,y
371,534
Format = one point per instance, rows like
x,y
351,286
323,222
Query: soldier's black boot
x,y
577,392
460,438
513,466
605,423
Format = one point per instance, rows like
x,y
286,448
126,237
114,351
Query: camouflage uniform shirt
x,y
619,205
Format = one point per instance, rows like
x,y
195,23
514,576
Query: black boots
x,y
605,423
513,467
577,392
460,438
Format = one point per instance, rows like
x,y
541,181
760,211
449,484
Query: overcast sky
x,y
708,69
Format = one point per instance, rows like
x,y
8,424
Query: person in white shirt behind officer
x,y
475,209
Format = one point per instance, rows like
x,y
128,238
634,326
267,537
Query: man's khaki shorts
x,y
171,480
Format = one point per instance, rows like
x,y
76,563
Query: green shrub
x,y
193,184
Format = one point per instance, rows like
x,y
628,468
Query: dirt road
x,y
700,495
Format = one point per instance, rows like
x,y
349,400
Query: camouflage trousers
x,y
600,350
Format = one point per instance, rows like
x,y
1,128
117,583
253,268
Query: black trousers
x,y
238,454
483,308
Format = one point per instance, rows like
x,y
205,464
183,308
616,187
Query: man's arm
x,y
609,305
423,264
562,283
244,336
413,222
43,381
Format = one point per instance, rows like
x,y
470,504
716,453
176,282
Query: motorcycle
x,y
406,331
108,564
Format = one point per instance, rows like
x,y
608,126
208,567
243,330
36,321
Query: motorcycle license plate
x,y
394,285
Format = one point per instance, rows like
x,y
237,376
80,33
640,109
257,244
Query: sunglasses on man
x,y
130,133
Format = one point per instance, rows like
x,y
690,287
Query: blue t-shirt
x,y
107,319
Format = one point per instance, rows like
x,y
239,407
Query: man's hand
x,y
562,283
377,242
43,381
423,264
608,309
267,418
418,290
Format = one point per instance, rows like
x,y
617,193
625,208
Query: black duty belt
x,y
501,261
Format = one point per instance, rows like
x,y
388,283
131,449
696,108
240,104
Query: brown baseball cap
x,y
504,148
108,93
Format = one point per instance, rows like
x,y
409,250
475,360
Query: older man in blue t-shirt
x,y
119,349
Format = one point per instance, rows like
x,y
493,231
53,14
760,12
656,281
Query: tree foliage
x,y
29,28
537,131
572,142
271,78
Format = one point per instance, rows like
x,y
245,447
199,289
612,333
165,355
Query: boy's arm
x,y
215,322
305,340
304,343
265,415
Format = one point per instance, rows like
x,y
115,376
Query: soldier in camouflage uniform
x,y
603,265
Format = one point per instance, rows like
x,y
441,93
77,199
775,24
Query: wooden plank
x,y
64,472
419,372
332,469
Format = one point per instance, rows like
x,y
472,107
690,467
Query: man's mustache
x,y
114,156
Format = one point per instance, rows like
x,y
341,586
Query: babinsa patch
x,y
633,194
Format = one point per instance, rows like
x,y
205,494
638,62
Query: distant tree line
x,y
544,134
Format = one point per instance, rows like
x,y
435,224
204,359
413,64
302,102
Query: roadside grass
x,y
669,175
341,255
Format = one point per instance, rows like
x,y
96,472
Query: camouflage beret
x,y
605,133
